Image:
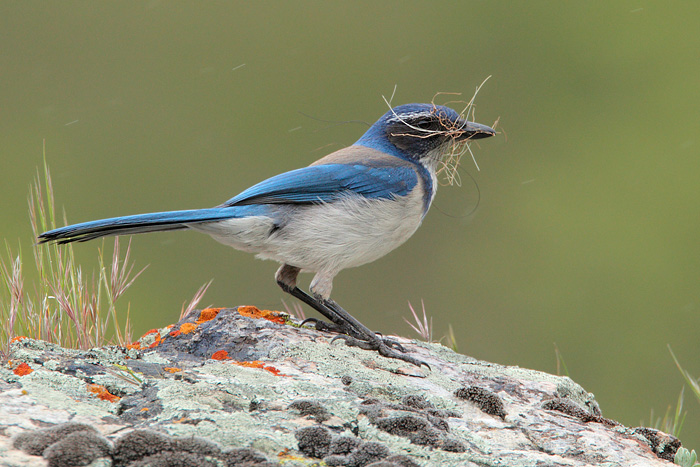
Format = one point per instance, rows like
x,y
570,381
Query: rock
x,y
252,388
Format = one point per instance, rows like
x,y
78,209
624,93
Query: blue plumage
x,y
346,209
326,183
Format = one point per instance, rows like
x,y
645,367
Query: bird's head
x,y
422,132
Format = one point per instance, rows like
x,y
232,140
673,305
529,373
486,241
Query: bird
x,y
349,208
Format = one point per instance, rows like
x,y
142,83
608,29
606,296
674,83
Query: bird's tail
x,y
140,223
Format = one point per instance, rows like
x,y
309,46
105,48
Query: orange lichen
x,y
273,370
252,364
18,338
208,314
144,409
187,328
135,345
170,369
175,333
156,342
287,455
220,355
150,332
254,312
259,364
22,369
107,396
102,393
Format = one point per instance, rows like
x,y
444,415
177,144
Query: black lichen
x,y
139,444
245,457
414,418
35,442
174,459
397,460
487,401
421,405
417,429
197,445
314,441
571,408
310,408
417,402
77,449
366,454
75,445
453,445
664,445
318,442
343,445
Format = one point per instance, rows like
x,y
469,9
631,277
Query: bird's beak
x,y
475,131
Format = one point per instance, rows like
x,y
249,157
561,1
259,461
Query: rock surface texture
x,y
245,387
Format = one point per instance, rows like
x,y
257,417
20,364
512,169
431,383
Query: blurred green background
x,y
586,233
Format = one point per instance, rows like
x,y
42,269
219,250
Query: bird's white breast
x,y
326,237
347,233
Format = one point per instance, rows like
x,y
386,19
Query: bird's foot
x,y
346,332
348,328
325,326
386,347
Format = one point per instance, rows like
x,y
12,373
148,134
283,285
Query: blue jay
x,y
348,208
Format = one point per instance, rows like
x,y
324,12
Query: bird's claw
x,y
343,334
394,345
385,347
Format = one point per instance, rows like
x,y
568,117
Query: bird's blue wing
x,y
329,182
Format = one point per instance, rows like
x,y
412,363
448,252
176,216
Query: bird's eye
x,y
424,124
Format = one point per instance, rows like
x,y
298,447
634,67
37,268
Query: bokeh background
x,y
580,229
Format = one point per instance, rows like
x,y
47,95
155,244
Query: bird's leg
x,y
370,340
356,333
286,279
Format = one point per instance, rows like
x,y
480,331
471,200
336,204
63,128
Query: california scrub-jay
x,y
349,208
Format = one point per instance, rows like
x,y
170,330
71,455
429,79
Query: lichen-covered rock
x,y
225,388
